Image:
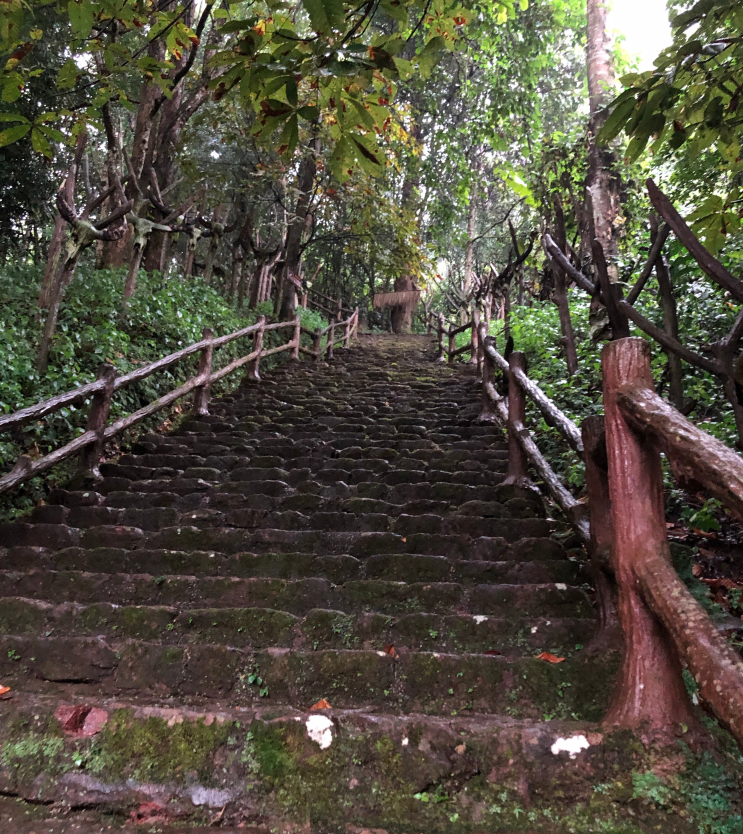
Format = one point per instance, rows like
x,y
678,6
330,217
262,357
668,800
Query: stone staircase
x,y
317,609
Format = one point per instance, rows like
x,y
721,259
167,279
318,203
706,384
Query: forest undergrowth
x,y
164,316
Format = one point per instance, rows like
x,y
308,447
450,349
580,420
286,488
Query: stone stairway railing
x,y
90,444
623,524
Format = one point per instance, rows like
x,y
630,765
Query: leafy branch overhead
x,y
325,63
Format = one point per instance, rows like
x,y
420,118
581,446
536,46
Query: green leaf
x,y
289,137
13,117
368,157
40,143
13,134
67,75
81,17
325,15
616,121
396,9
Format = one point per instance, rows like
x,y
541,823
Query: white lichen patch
x,y
480,618
561,586
320,730
572,746
405,741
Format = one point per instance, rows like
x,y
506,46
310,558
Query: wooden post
x,y
347,335
339,314
608,634
649,689
475,340
488,413
316,349
442,350
452,344
331,342
304,300
254,366
97,420
296,337
518,473
201,394
355,334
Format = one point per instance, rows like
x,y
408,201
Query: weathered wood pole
x,y
601,545
316,349
254,366
488,413
649,692
355,334
296,337
518,472
331,341
347,335
474,339
442,350
304,300
97,420
201,394
339,314
452,344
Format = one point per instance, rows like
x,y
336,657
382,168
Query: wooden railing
x,y
447,337
332,307
90,444
624,528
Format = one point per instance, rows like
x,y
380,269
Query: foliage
x,y
690,101
164,316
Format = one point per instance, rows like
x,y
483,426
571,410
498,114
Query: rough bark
x,y
561,295
518,473
402,315
649,693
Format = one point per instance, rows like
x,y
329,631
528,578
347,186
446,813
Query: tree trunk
x,y
402,316
561,294
52,263
602,183
469,252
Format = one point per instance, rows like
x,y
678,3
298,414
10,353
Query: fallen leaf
x,y
670,525
5,692
405,539
703,534
705,551
492,653
81,721
550,658
696,570
390,650
321,704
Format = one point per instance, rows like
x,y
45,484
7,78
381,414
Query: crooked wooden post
x,y
254,366
488,414
518,472
304,300
442,350
100,407
316,348
339,314
601,545
201,394
347,335
331,342
452,344
475,339
296,337
649,689
355,334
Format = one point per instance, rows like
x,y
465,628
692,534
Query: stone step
x,y
420,682
297,596
267,769
319,628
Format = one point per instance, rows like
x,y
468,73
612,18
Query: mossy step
x,y
533,561
297,596
425,682
320,628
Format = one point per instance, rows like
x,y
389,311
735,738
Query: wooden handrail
x,y
90,442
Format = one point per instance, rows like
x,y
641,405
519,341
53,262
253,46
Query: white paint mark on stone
x,y
561,586
405,741
211,797
320,730
480,618
572,746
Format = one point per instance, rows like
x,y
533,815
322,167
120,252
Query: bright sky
x,y
644,24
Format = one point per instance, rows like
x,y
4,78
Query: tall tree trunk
x,y
561,294
602,182
297,227
469,252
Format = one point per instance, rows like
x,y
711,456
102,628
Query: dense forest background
x,y
167,166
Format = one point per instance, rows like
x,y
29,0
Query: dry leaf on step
x,y
321,704
550,658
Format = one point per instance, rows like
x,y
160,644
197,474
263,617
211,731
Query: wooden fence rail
x,y
665,627
90,444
